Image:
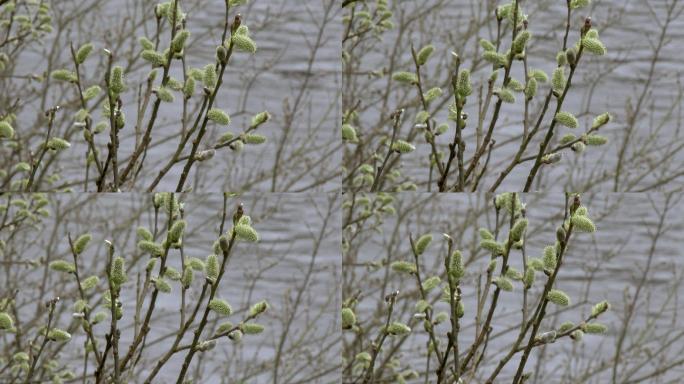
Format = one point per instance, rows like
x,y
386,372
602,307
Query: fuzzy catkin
x,y
422,243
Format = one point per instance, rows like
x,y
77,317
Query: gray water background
x,y
602,266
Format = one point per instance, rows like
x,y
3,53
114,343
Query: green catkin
x,y
212,268
260,118
144,234
422,117
209,77
601,120
558,297
218,116
81,243
221,307
550,258
62,266
349,133
539,75
487,45
432,94
531,88
594,45
567,119
441,318
90,283
431,283
558,80
178,42
246,232
513,274
57,144
118,271
518,229
348,318
492,246
578,147
567,138
20,357
162,285
188,277
254,139
422,243
224,327
196,264
600,308
424,54
251,328
59,335
485,234
177,230
583,223
528,278
83,53
520,41
503,283
574,4
145,43
6,130
505,95
464,87
456,270
243,43
64,75
116,80
153,57
422,306
398,329
154,249
92,92
189,87
403,267
6,321
164,94
151,263
561,58
495,58
363,357
596,140
405,77
566,326
172,274
594,328
402,146
515,85
259,308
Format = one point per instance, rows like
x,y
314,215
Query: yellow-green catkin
x,y
567,119
348,318
177,230
518,229
83,53
162,285
422,243
259,308
209,77
424,54
154,249
398,329
153,57
464,88
246,232
118,271
58,335
494,247
90,283
218,116
503,283
405,77
6,130
600,308
212,268
62,266
403,267
402,146
349,133
550,257
188,277
558,297
242,42
431,283
116,80
6,321
221,307
81,243
251,328
583,223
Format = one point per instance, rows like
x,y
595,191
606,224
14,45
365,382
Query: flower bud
x,y
162,285
209,77
83,53
494,247
567,119
518,229
431,283
485,234
405,77
221,307
398,329
424,54
520,41
90,283
243,43
6,130
64,75
528,278
403,267
487,45
154,249
212,268
153,57
558,80
176,231
594,46
503,283
600,308
505,95
464,88
251,328
594,328
583,223
6,321
118,271
558,297
57,144
402,146
246,232
81,243
348,318
62,266
218,116
259,308
58,335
